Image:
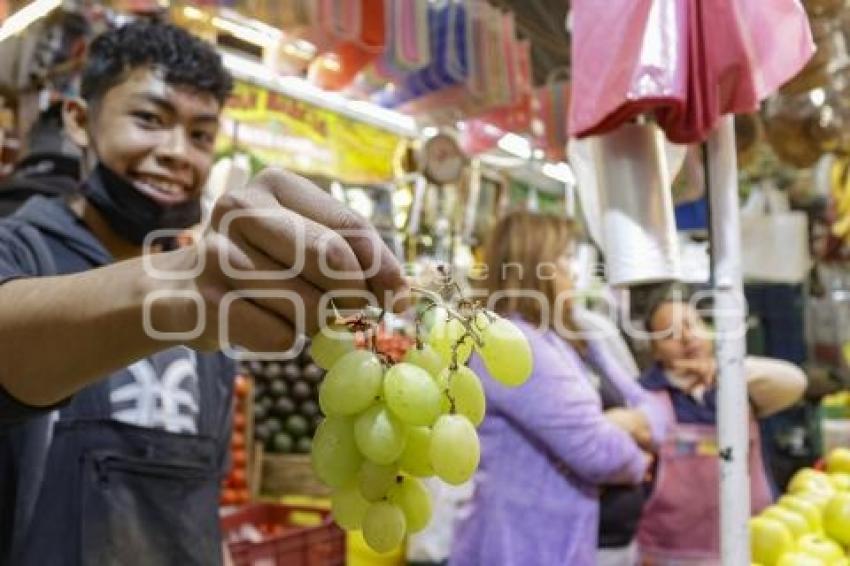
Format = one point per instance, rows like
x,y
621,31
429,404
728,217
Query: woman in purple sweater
x,y
547,446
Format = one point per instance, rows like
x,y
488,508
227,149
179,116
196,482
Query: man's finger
x,y
296,299
256,329
286,242
383,272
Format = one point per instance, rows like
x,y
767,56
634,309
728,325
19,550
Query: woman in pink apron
x,y
680,521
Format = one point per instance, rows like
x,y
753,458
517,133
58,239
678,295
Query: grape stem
x,y
418,322
436,299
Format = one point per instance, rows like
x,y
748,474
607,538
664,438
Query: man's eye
x,y
204,138
148,118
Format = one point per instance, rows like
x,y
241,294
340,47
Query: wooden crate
x,y
290,474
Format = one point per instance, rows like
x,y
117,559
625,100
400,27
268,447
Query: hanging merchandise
x,y
359,41
448,60
582,159
411,42
831,49
801,127
824,8
482,132
774,240
406,48
689,62
472,75
637,207
839,197
550,107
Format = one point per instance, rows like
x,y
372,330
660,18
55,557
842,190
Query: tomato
x,y
240,387
243,496
239,422
238,441
239,458
238,478
229,497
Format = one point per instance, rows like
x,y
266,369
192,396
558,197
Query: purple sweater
x,y
545,448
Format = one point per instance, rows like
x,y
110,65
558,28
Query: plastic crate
x,y
309,536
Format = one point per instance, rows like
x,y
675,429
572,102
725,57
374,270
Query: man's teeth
x,y
162,186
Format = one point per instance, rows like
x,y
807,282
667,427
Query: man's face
x,y
682,335
159,136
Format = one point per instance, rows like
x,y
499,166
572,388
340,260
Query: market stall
x,y
432,120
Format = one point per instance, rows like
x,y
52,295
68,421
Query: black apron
x,y
114,493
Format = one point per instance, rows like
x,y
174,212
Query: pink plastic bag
x,y
689,61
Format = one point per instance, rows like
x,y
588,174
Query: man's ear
x,y
75,118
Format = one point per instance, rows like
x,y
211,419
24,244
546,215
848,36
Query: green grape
x,y
384,526
376,480
414,500
380,435
335,456
330,344
348,507
447,332
426,358
352,384
482,319
411,394
464,388
416,458
506,353
454,449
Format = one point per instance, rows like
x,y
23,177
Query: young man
x,y
681,519
114,438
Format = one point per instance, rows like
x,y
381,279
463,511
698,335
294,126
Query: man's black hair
x,y
184,59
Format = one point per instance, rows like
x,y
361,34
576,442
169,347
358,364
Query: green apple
x,y
769,540
806,508
836,518
838,461
840,480
821,547
808,479
796,523
800,559
819,498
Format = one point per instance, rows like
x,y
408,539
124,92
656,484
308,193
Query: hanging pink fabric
x,y
337,67
688,61
482,132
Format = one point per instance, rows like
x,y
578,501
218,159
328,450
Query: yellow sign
x,y
296,135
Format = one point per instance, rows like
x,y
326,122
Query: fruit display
x,y
235,489
811,523
390,422
286,404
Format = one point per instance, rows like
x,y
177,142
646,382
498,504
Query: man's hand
x,y
207,295
276,253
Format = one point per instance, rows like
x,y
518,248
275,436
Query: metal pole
x,y
733,409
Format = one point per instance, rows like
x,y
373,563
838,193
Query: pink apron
x,y
680,522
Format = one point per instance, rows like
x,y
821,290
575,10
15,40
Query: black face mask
x,y
131,214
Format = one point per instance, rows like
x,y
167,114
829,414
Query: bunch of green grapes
x,y
389,425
